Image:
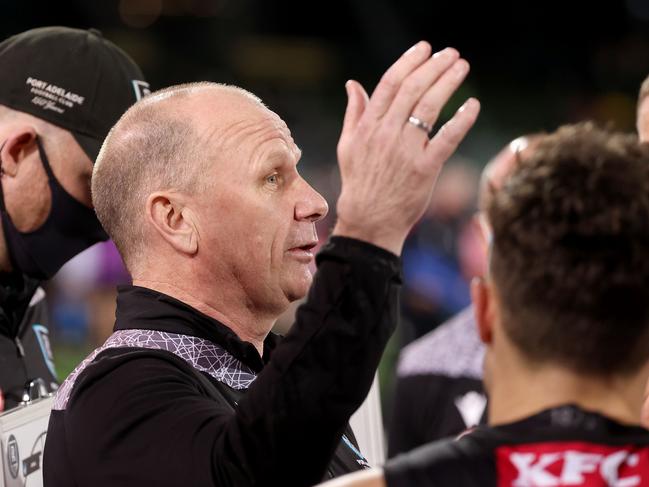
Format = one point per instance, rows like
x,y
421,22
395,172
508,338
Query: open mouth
x,y
307,247
303,252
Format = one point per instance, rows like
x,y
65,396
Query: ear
x,y
173,221
481,298
20,143
478,229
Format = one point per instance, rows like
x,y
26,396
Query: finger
x,y
357,100
417,84
430,105
390,82
451,134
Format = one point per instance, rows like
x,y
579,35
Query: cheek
x,y
277,233
28,199
253,242
255,227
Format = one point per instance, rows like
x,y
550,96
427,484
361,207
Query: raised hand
x,y
388,163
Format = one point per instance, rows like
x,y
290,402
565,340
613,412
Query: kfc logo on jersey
x,y
572,463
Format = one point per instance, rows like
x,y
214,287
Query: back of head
x,y
74,79
569,251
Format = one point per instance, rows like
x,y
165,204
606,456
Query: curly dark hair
x,y
570,251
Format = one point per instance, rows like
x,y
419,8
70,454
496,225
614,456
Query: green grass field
x,y
67,357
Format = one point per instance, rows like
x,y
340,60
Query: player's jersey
x,y
563,446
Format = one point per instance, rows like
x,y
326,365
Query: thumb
x,y
357,100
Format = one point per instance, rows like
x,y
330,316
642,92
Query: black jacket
x,y
25,352
173,398
439,391
560,446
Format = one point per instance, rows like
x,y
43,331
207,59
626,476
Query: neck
x,y
245,323
519,391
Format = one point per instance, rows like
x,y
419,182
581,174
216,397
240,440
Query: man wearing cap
x,y
61,90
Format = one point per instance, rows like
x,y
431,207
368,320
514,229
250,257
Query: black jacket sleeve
x,y
153,426
324,368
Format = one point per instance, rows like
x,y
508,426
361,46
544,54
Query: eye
x,y
273,179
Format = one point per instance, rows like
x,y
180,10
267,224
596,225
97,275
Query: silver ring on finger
x,y
420,124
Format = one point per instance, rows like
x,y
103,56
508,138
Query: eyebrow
x,y
284,155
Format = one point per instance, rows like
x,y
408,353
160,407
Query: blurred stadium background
x,y
535,65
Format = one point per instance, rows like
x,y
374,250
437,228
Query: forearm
x,y
369,478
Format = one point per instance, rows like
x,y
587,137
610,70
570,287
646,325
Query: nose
x,y
310,206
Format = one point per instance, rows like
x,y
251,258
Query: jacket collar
x,y
146,309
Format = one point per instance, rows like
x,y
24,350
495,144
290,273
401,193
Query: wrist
x,y
385,238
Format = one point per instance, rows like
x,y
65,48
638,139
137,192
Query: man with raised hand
x,y
198,187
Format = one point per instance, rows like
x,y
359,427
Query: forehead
x,y
236,123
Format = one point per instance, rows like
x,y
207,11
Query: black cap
x,y
72,78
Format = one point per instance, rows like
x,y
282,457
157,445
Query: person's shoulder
x,y
466,461
124,402
139,363
453,349
122,372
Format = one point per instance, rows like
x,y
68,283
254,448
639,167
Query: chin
x,y
299,288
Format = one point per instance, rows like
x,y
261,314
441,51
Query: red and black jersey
x,y
563,446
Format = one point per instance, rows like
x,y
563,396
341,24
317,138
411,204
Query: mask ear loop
x,y
44,160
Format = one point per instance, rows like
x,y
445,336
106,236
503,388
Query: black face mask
x,y
70,228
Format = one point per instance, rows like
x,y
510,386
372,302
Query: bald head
x,y
500,167
161,144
